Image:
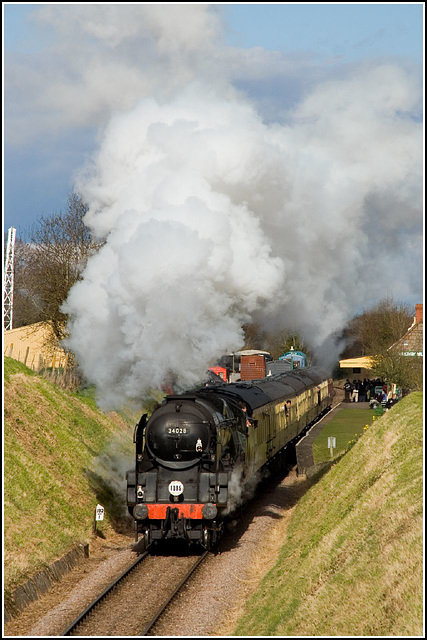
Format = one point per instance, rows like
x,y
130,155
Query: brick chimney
x,y
418,313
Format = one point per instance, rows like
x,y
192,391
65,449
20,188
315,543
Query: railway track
x,y
155,619
125,606
73,626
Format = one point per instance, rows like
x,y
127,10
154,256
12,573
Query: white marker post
x,y
99,515
332,443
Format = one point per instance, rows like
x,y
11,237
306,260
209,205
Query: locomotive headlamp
x,y
140,511
139,492
209,511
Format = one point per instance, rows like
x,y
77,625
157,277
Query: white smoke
x,y
210,215
348,209
183,266
112,464
241,487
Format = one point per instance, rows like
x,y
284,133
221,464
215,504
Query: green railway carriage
x,y
271,427
200,450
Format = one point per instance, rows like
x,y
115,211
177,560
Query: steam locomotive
x,y
199,452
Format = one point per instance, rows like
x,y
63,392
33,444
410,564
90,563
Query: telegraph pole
x,y
8,279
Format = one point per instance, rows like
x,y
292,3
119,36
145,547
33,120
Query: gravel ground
x,y
131,606
214,598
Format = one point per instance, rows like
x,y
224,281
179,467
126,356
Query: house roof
x,y
411,344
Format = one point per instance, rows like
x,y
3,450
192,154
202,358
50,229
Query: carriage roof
x,y
256,393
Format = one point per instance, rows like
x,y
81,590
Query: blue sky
x,y
349,30
39,170
352,30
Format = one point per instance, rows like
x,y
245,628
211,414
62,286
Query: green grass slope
x,y
351,563
54,442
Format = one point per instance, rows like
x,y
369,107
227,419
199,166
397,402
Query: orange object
x,y
158,511
220,371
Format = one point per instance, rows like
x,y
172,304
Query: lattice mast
x,y
8,279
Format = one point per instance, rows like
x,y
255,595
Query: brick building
x,y
411,344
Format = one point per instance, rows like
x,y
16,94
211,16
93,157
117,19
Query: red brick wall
x,y
252,367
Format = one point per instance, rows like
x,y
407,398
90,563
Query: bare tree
x,y
376,329
51,263
26,307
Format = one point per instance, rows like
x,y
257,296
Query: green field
x,y
351,563
347,425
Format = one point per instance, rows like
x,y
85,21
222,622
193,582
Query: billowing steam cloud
x,y
184,266
211,216
102,58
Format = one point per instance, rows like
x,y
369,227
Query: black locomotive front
x,y
179,488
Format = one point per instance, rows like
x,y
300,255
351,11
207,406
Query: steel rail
x,y
105,593
159,613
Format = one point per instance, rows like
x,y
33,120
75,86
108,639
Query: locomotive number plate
x,y
177,430
176,488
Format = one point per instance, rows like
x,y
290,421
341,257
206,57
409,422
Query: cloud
x,y
102,59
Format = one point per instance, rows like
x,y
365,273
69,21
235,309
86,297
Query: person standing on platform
x,y
347,390
355,392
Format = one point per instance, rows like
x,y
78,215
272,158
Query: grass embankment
x,y
357,568
57,459
345,426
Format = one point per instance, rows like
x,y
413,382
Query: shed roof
x,y
364,362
